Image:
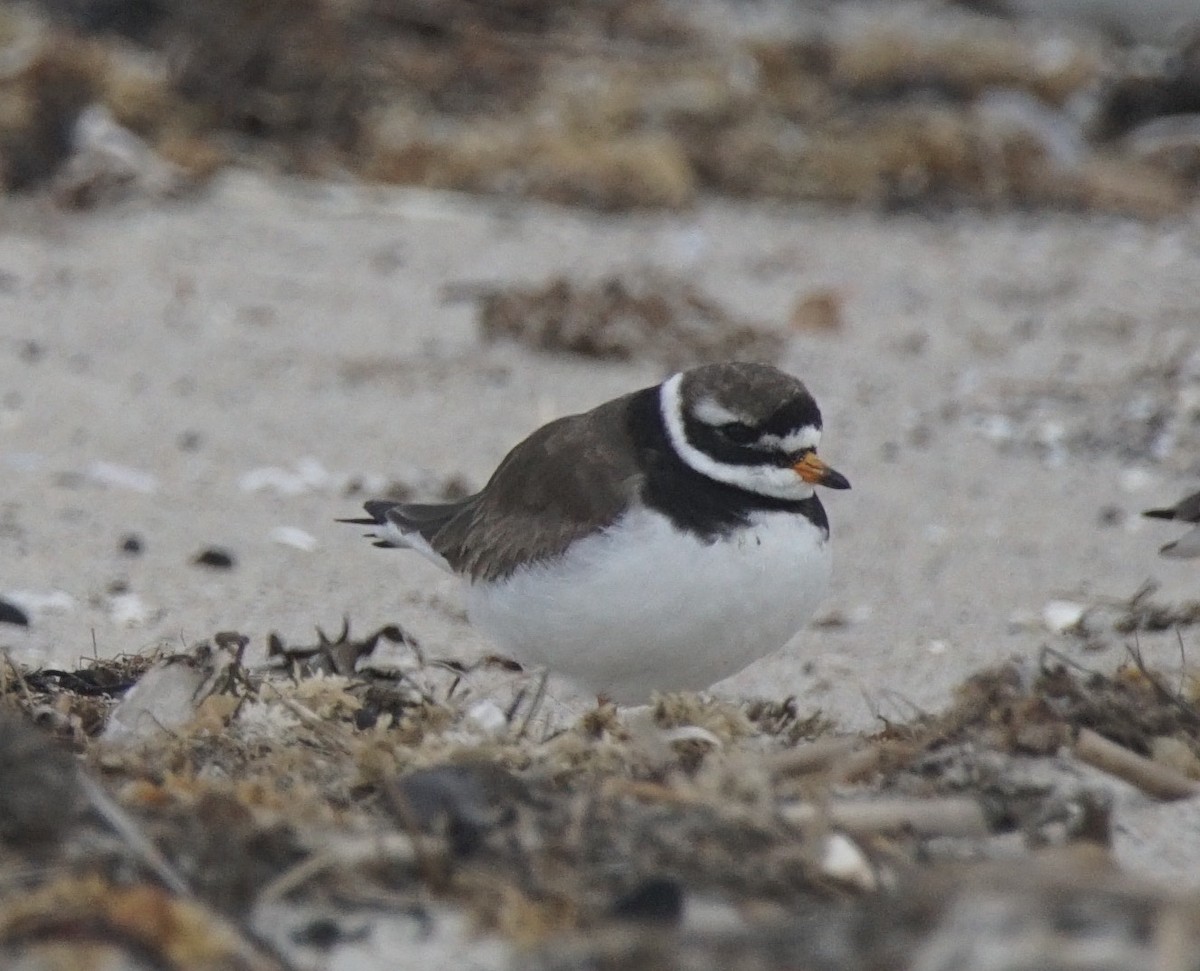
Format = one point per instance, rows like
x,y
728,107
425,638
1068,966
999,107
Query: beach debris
x,y
130,610
872,104
122,477
307,475
628,317
109,163
1063,616
10,613
294,537
169,694
40,800
352,770
819,311
1152,777
215,558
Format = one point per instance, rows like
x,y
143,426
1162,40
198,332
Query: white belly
x,y
645,607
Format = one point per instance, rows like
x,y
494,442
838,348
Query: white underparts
x,y
645,606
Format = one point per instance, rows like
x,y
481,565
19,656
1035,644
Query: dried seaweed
x,y
581,841
890,108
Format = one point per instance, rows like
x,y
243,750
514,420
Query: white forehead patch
x,y
712,412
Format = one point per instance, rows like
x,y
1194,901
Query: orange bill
x,y
811,469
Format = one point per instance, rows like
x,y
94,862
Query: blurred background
x,y
621,104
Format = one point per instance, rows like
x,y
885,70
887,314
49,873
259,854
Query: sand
x,y
984,395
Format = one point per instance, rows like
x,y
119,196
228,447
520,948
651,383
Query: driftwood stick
x,y
1153,778
951,816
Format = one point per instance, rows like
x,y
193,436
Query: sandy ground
x,y
977,396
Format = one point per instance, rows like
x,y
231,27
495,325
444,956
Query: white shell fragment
x,y
295,537
1060,616
166,696
843,860
122,477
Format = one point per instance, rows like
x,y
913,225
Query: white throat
x,y
764,480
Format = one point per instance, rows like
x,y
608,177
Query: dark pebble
x,y
324,933
131,543
190,441
658,900
214,557
40,798
462,802
10,613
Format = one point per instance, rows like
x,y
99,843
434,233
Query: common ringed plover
x,y
1185,511
661,541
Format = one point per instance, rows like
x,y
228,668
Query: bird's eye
x,y
739,433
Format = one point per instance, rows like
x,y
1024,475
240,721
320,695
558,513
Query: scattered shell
x,y
1061,616
843,860
167,696
308,475
295,537
129,610
488,717
122,477
109,163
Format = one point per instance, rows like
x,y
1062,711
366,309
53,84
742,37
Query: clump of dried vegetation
x,y
613,105
173,807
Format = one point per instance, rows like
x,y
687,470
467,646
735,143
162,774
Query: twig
x,y
390,847
1151,777
125,827
311,719
816,756
950,816
539,696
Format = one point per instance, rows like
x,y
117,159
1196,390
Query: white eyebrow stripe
x,y
797,441
713,413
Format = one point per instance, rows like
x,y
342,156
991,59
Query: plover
x,y
661,541
1185,511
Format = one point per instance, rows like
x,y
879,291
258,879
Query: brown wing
x,y
570,478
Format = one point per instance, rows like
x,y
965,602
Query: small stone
x,y
40,798
461,802
658,900
215,558
189,441
131,544
10,613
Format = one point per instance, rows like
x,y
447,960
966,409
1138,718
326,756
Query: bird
x,y
1187,510
662,541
